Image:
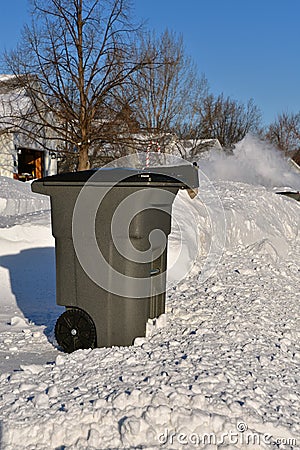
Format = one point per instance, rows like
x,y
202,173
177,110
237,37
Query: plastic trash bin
x,y
111,227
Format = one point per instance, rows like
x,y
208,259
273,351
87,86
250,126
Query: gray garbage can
x,y
111,227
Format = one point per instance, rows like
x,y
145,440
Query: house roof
x,y
14,101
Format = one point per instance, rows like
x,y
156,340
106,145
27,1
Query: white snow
x,y
219,370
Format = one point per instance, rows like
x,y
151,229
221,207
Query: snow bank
x,y
225,363
226,215
16,198
236,206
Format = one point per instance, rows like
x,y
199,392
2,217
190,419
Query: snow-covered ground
x,y
219,370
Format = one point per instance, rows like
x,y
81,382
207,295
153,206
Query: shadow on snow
x,y
32,278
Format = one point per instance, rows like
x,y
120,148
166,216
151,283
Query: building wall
x,y
50,164
8,155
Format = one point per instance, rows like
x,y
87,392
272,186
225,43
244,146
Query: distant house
x,y
199,148
21,157
189,149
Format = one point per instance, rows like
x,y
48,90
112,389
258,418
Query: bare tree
x,y
162,94
65,63
227,120
284,132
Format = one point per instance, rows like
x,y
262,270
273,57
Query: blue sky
x,y
246,49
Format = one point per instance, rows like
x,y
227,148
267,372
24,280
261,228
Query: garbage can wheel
x,y
75,330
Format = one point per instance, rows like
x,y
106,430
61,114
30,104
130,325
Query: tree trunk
x,y
83,163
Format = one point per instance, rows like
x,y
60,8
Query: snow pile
x,y
226,362
16,198
227,215
218,370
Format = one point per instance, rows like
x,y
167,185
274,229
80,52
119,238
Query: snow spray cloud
x,y
100,269
253,162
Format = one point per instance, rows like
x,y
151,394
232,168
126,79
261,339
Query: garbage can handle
x,y
154,272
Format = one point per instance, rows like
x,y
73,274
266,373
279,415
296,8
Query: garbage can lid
x,y
182,176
